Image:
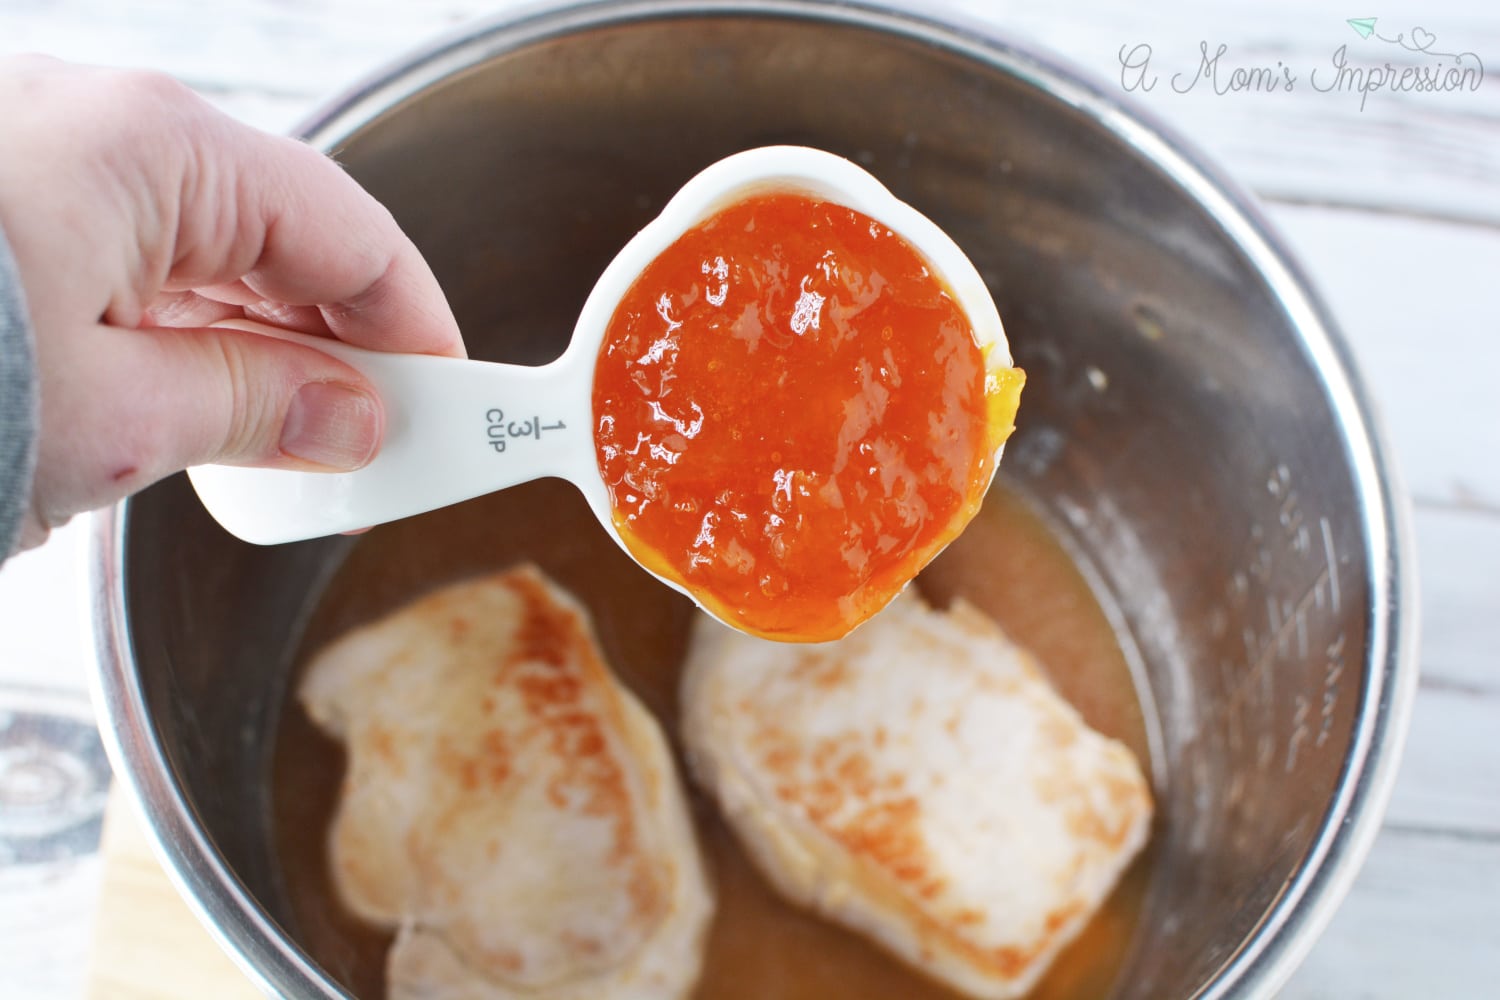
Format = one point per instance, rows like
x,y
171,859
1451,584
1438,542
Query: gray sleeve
x,y
18,403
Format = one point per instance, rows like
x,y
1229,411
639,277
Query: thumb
x,y
173,398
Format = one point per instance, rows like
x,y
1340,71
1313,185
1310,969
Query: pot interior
x,y
1176,437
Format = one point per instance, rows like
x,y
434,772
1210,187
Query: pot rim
x,y
1272,949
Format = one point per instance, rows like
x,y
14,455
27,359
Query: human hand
x,y
138,215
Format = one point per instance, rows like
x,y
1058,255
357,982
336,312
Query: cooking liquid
x,y
1007,563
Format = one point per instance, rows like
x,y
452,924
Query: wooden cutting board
x,y
147,943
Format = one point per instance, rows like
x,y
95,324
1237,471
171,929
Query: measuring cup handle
x,y
454,429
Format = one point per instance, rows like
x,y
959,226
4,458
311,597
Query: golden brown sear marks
x,y
508,806
920,782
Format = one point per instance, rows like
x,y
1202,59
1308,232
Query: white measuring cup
x,y
457,429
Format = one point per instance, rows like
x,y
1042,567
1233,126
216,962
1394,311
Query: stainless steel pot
x,y
1192,423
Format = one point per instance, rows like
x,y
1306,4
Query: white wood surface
x,y
1393,209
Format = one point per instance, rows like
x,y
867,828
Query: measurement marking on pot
x,y
1288,629
1333,566
1281,629
1299,731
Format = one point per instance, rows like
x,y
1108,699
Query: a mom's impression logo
x,y
1365,68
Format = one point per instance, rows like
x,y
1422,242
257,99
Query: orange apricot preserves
x,y
793,416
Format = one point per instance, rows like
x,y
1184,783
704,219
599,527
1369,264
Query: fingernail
x,y
332,425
